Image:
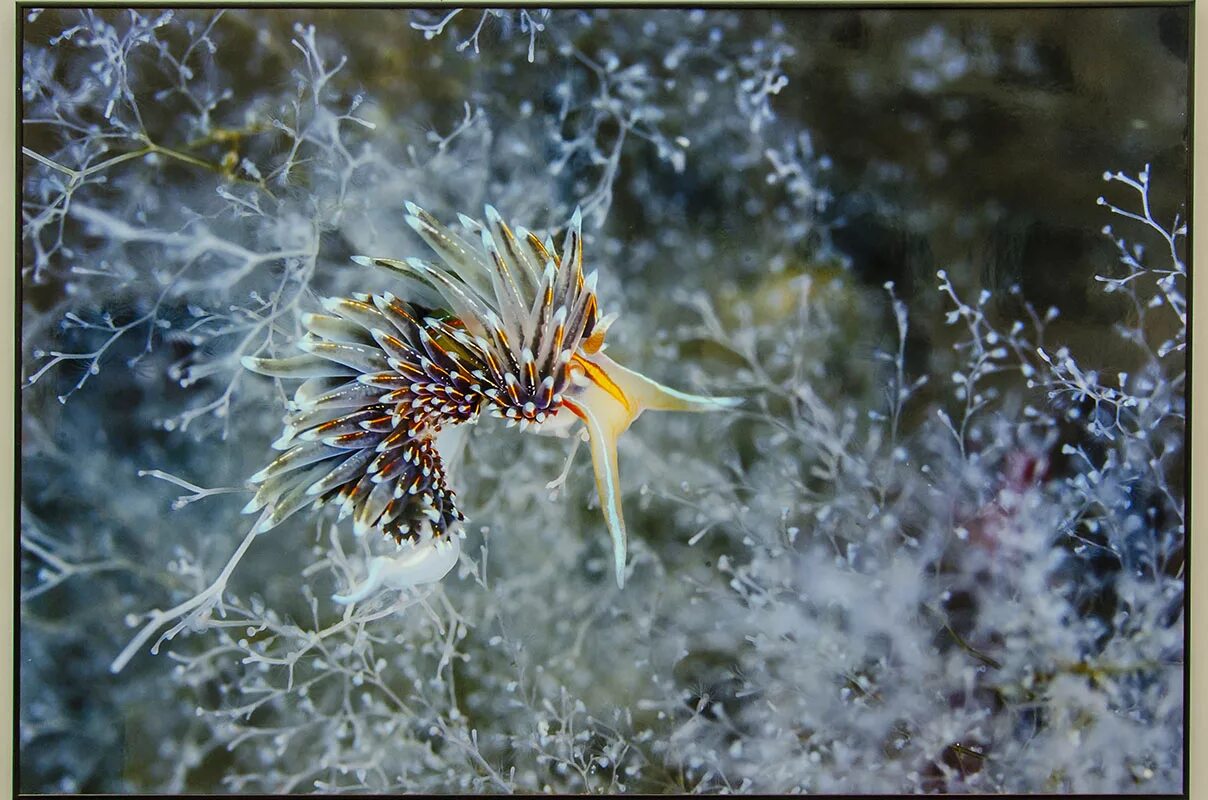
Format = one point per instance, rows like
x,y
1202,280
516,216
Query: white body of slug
x,y
426,562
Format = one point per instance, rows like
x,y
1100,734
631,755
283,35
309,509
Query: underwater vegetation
x,y
929,536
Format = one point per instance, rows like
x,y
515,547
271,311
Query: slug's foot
x,y
426,562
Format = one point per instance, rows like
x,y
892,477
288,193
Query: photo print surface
x,y
603,400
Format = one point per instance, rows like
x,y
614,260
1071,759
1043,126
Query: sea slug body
x,y
505,324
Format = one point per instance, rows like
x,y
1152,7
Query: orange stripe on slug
x,y
537,246
503,339
398,308
574,408
437,344
492,363
592,344
595,341
601,379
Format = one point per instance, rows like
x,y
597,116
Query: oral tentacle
x,y
654,396
606,421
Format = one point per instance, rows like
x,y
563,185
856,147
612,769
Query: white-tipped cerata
x,y
501,324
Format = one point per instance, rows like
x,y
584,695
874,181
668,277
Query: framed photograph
x,y
603,400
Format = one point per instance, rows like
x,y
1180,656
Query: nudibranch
x,y
504,324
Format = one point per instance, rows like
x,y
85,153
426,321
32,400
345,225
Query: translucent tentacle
x,y
465,303
303,366
606,420
527,274
654,396
460,256
336,329
611,399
